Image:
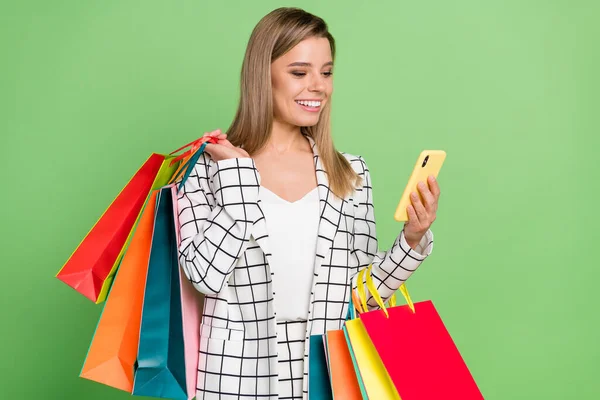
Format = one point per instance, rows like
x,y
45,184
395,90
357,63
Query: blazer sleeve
x,y
390,268
218,205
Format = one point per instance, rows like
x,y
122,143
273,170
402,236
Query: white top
x,y
292,229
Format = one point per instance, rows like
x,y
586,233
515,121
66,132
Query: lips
x,y
309,108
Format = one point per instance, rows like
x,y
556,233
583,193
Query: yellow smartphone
x,y
429,163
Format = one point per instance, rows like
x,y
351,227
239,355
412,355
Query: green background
x,y
88,89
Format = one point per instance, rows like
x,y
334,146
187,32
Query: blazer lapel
x,y
259,232
330,210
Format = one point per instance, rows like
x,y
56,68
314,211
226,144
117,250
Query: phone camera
x,y
425,161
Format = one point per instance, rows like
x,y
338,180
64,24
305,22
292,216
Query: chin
x,y
306,121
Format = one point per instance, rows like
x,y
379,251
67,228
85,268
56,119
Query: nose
x,y
317,83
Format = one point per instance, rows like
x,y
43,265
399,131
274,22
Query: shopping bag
x,y
373,378
344,383
346,380
161,370
192,302
88,270
318,375
428,364
91,268
112,354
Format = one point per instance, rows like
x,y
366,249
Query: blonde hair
x,y
273,36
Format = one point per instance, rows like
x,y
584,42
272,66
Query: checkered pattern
x,y
290,346
246,353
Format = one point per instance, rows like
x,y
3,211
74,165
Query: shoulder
x,y
357,162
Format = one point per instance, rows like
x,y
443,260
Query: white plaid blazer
x,y
245,353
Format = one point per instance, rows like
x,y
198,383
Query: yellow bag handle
x,y
406,296
361,290
392,301
373,290
362,293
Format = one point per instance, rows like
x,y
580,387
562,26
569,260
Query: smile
x,y
309,105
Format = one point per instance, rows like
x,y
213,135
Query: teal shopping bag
x,y
319,385
160,368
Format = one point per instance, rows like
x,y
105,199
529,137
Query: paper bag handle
x,y
190,158
373,290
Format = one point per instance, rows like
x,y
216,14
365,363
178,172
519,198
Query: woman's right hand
x,y
223,149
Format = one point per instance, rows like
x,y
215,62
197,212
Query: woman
x,y
275,223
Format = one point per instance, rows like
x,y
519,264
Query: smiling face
x,y
302,82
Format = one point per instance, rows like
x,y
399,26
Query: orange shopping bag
x,y
113,351
344,383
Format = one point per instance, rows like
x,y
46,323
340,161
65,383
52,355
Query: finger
x,y
226,143
434,187
216,132
428,199
419,208
217,152
412,215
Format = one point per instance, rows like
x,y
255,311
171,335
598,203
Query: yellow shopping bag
x,y
373,378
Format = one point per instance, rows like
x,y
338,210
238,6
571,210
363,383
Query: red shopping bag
x,y
97,256
91,268
423,362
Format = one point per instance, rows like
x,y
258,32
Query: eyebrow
x,y
307,64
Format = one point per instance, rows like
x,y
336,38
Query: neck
x,y
285,137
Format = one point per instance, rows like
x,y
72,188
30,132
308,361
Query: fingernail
x,y
421,185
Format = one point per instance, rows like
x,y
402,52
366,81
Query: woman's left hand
x,y
421,214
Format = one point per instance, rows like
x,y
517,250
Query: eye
x,y
301,74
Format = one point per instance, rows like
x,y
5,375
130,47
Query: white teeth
x,y
309,103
